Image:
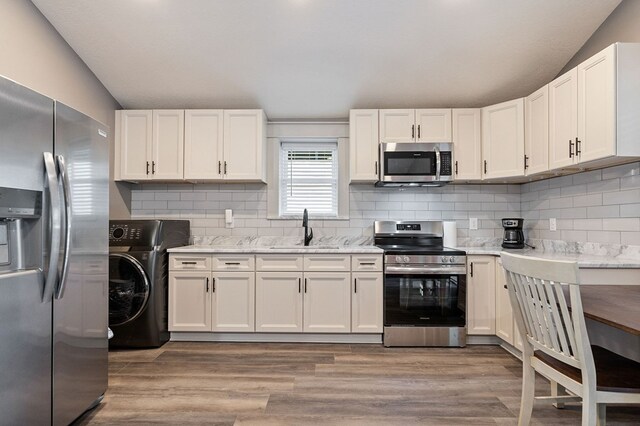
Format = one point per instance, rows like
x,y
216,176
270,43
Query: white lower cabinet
x,y
189,301
327,302
366,302
275,293
481,295
233,301
279,302
506,327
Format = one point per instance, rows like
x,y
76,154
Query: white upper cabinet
x,y
151,144
397,125
503,139
415,125
203,147
363,145
467,144
590,109
168,144
536,131
433,125
135,143
244,145
597,106
563,119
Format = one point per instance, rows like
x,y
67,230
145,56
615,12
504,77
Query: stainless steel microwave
x,y
415,164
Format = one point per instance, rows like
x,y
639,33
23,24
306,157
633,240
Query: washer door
x,y
128,289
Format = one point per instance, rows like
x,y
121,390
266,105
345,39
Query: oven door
x,y
424,300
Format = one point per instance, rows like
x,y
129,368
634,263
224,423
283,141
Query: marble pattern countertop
x,y
249,245
585,260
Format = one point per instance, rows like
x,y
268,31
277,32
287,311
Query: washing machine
x,y
138,279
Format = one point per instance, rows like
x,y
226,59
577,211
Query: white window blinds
x,y
309,178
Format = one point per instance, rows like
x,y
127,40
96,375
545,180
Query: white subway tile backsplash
x,y
597,206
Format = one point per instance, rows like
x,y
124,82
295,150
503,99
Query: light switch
x,y
473,223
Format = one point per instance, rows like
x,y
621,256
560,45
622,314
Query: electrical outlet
x,y
553,226
473,223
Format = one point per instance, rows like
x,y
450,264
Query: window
x,y
309,178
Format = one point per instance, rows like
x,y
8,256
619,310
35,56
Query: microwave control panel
x,y
445,163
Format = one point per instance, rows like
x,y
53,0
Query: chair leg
x,y
589,411
602,414
557,390
528,392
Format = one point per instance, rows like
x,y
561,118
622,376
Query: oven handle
x,y
400,270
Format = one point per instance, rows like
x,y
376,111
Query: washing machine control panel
x,y
124,232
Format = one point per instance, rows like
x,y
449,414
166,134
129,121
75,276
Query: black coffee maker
x,y
513,235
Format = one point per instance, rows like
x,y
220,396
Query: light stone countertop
x,y
585,261
298,249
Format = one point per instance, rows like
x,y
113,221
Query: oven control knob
x,y
399,259
443,259
406,259
452,259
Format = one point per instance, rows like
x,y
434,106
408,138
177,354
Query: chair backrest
x,y
540,307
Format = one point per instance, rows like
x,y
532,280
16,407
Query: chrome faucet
x,y
308,232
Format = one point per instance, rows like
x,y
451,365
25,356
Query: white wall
x,y
622,25
35,55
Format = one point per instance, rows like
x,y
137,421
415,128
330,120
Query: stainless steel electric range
x,y
424,285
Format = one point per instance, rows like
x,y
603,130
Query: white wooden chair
x,y
556,344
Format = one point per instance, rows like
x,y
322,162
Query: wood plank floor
x,y
311,384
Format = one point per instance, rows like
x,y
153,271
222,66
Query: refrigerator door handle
x,y
56,230
66,191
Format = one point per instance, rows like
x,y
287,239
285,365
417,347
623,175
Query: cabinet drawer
x,y
363,262
327,262
279,263
186,262
233,263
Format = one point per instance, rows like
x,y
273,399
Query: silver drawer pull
x,y
232,263
189,263
367,263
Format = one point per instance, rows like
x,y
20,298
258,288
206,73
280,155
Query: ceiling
x,y
319,58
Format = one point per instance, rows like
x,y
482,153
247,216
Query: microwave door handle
x,y
55,213
438,163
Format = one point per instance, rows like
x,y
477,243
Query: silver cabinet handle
x,y
66,191
56,229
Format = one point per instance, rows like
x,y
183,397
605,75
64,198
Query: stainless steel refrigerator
x,y
53,259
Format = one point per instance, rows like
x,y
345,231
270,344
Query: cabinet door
x,y
327,302
536,137
397,125
563,119
467,139
433,125
503,139
481,295
363,145
597,106
504,313
135,144
366,306
279,302
233,301
189,301
203,144
244,145
168,144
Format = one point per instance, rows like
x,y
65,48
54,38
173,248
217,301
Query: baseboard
x,y
276,337
483,340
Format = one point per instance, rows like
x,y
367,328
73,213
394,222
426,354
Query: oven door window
x,y
409,163
424,300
